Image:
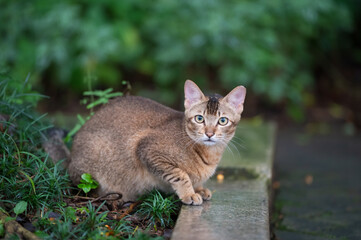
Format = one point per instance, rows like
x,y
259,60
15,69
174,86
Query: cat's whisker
x,y
227,147
238,138
232,144
238,144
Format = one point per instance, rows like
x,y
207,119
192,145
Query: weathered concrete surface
x,y
239,208
329,206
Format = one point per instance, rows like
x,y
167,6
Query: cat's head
x,y
213,119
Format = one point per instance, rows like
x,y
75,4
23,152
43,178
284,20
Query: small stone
x,y
53,215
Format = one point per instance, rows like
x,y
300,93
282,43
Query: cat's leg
x,y
182,185
165,167
177,178
205,193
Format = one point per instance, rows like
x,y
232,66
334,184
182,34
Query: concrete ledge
x,y
239,208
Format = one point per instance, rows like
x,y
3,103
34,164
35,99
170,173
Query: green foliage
x,y
2,229
31,184
103,97
87,183
93,224
20,207
91,101
158,209
143,236
76,128
26,173
269,46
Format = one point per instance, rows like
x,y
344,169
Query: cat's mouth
x,y
209,142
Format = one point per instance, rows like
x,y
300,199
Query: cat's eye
x,y
223,121
199,118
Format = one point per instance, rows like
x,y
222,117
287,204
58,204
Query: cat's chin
x,y
209,142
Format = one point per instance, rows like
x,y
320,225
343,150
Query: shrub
x,y
269,46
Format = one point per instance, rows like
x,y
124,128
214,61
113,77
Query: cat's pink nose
x,y
209,134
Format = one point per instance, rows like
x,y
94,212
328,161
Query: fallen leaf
x,y
276,185
309,179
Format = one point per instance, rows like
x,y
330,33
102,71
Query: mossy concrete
x,y
329,206
239,208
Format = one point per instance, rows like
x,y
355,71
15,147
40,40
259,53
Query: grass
x,y
26,172
42,191
158,209
83,223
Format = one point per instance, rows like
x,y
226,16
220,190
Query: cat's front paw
x,y
193,199
205,193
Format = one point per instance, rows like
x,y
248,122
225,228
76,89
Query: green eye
x,y
223,121
199,118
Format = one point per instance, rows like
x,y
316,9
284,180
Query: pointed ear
x,y
236,98
192,94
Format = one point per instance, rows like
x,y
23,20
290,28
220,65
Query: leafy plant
x,y
102,98
20,207
2,229
143,236
87,183
27,178
158,209
93,224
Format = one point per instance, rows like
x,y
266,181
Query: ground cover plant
x,y
37,199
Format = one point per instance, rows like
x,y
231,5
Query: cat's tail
x,y
54,145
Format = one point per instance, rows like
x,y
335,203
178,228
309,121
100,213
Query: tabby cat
x,y
133,144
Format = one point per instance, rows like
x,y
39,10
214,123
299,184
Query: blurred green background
x,y
291,55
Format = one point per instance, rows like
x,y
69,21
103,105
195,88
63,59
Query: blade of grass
x,y
31,180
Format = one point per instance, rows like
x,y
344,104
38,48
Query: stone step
x,y
239,208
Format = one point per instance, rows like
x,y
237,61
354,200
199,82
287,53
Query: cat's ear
x,y
236,98
192,94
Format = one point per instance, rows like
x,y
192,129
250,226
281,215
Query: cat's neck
x,y
212,154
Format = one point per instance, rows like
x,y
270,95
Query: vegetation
x,y
87,183
158,209
272,47
34,190
26,172
93,99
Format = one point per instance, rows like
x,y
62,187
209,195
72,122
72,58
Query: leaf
x,y
86,189
97,102
31,180
70,213
2,230
116,94
72,132
20,207
41,234
87,177
98,93
81,119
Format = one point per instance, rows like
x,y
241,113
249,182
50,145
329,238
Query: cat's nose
x,y
209,134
